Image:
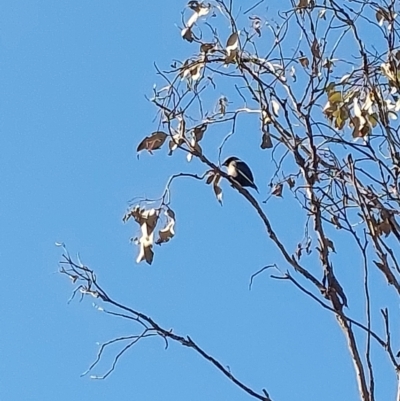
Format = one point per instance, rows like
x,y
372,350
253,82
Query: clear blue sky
x,y
73,75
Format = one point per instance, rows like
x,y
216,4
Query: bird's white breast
x,y
232,169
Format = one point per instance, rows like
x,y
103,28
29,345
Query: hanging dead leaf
x,y
166,233
303,60
328,64
308,246
222,103
207,47
379,17
385,268
384,228
277,189
147,219
232,44
191,69
204,9
292,73
210,178
336,222
266,142
291,182
357,130
382,15
217,188
199,7
152,142
194,5
175,142
187,34
299,251
256,24
302,5
195,150
199,131
322,13
145,251
195,72
329,244
184,69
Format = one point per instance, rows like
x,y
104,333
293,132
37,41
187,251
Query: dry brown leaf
x,y
266,142
147,219
175,142
222,103
308,246
299,251
329,244
199,7
187,34
355,123
195,150
210,178
199,131
382,15
232,44
166,233
384,228
207,47
304,4
217,188
303,60
379,17
277,189
191,69
328,64
336,222
145,251
194,5
291,182
152,142
292,73
256,24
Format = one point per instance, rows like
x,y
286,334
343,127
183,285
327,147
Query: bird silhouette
x,y
240,172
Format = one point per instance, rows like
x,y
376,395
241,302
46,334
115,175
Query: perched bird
x,y
240,172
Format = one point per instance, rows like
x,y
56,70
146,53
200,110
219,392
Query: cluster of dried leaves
x,y
148,220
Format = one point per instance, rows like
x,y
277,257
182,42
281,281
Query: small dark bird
x,y
240,172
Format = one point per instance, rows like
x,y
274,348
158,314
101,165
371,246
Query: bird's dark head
x,y
229,160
